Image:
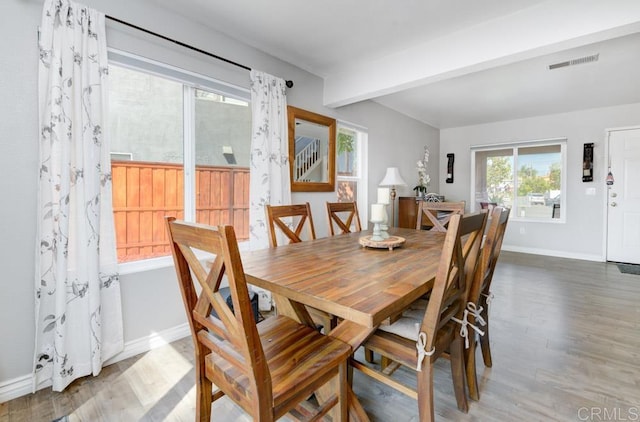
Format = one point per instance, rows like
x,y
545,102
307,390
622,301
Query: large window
x,y
527,177
177,150
351,167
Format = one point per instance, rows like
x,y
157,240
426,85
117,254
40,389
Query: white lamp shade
x,y
393,178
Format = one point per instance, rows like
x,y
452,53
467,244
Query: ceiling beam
x,y
545,28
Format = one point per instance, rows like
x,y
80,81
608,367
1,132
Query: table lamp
x,y
393,179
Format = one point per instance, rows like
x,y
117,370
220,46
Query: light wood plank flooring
x,y
565,342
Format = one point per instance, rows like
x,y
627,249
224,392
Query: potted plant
x,y
423,178
420,190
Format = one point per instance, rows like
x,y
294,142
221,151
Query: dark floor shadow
x,y
629,268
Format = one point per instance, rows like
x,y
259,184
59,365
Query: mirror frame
x,y
294,113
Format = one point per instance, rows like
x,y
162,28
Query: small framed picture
x,y
587,163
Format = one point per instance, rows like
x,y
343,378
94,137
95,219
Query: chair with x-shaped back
x,y
433,328
344,215
481,292
437,214
266,368
277,216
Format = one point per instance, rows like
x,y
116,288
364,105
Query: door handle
x,y
613,204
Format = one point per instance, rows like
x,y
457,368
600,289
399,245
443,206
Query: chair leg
x,y
343,391
426,411
350,372
203,399
457,373
384,362
470,367
368,355
484,341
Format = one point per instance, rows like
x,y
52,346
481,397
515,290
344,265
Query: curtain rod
x,y
289,83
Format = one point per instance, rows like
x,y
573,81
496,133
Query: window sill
x,y
143,265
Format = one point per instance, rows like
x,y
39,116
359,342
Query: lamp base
x,y
393,206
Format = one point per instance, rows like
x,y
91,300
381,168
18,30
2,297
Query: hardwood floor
x,y
565,343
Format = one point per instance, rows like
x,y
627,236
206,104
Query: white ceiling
x,y
447,63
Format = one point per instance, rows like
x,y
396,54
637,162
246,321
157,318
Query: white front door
x,y
623,202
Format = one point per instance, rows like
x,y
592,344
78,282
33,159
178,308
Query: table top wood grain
x,y
339,276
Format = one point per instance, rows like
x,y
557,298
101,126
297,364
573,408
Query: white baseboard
x,y
21,386
557,254
17,387
152,341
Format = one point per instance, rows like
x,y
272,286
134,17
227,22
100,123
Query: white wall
x,y
18,177
583,233
151,302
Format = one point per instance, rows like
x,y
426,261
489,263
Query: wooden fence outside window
x,y
144,193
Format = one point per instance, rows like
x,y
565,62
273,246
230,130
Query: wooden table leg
x,y
293,310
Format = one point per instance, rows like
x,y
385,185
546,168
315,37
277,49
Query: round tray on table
x,y
388,243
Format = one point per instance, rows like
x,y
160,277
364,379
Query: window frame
x,y
190,81
515,146
361,180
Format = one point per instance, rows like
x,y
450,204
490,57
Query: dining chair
x,y
283,216
480,294
267,368
434,329
437,214
343,214
488,205
299,216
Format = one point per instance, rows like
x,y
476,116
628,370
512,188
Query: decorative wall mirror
x,y
312,151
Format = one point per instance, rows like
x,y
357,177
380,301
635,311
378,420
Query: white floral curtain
x,y
269,171
269,153
77,290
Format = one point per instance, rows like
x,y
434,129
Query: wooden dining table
x,y
362,286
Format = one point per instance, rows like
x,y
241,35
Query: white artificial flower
x,y
423,177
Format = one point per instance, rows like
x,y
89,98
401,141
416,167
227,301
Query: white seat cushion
x,y
408,325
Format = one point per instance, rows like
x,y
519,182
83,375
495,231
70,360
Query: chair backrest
x,y
489,253
277,215
343,214
457,266
488,205
438,214
232,335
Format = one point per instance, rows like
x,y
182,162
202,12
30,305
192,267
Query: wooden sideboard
x,y
408,211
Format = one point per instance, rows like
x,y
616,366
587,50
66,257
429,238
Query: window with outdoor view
x,y
177,150
527,177
351,167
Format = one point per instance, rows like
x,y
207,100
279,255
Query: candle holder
x,y
377,232
384,225
377,217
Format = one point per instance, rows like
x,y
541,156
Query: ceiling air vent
x,y
581,60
